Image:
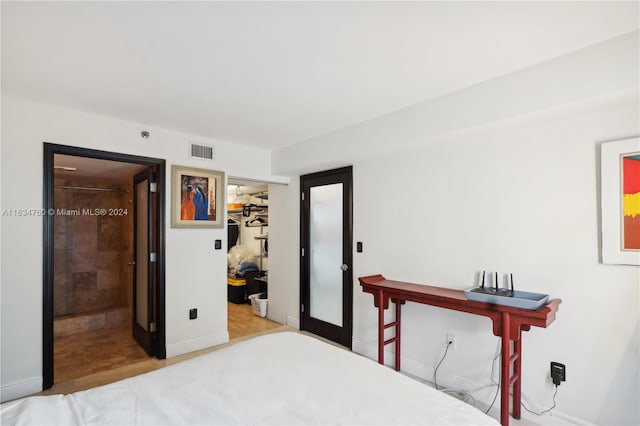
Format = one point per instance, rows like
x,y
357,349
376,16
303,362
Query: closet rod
x,y
89,188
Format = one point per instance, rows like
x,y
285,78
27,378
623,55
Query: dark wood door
x,y
326,289
144,262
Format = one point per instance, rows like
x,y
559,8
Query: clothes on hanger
x,y
233,231
257,221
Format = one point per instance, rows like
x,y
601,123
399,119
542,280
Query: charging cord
x,y
463,395
435,372
544,411
467,394
493,365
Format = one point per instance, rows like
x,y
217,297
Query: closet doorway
x,y
247,257
93,278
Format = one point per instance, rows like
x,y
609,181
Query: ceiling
x,y
272,74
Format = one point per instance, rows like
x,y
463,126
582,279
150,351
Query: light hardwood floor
x,y
90,359
243,322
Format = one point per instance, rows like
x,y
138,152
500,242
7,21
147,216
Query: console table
x,y
508,323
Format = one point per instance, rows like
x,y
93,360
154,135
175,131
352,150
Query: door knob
x,y
344,267
133,262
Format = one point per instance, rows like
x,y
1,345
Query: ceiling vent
x,y
202,151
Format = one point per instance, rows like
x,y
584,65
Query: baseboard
x,y
193,345
20,389
553,418
424,373
293,322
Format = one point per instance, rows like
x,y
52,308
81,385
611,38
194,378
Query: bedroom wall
x,y
195,273
440,195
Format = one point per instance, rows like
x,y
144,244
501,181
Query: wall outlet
x,y
558,373
451,338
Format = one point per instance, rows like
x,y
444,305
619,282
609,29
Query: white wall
x,y
284,243
195,272
601,70
517,192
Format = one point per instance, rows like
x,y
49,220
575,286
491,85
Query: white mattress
x,y
277,379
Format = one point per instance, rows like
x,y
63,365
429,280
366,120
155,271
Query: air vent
x,y
202,151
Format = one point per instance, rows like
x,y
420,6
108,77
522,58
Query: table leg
x,y
505,370
517,385
380,328
398,304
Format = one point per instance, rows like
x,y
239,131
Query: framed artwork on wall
x,y
620,181
197,198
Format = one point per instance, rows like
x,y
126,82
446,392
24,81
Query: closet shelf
x,y
258,209
261,195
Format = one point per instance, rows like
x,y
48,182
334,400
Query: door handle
x,y
133,262
344,267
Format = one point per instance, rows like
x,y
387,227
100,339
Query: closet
x,y
248,240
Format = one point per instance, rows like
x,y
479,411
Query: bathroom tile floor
x,y
81,354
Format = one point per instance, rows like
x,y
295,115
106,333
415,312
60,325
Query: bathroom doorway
x,y
90,294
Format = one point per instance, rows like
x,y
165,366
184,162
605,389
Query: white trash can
x,y
259,305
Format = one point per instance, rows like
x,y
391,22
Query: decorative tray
x,y
506,297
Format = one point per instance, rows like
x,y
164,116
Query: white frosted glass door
x,y
325,251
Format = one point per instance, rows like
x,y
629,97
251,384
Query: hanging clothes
x,y
233,231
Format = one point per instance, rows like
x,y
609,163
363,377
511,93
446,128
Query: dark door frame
x,y
342,335
50,150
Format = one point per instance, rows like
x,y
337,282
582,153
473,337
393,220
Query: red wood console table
x,y
508,323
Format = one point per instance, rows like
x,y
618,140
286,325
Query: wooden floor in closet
x,y
90,359
243,322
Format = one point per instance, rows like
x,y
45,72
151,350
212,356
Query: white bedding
x,y
280,378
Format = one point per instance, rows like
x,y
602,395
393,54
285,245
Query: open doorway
x,y
97,222
248,257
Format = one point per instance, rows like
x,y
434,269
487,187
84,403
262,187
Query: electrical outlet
x,y
451,338
558,373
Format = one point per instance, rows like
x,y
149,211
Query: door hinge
x,y
153,257
302,194
302,308
153,187
152,327
302,252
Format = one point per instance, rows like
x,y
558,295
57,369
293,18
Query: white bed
x,y
282,378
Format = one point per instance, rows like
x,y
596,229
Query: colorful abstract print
x,y
197,198
631,201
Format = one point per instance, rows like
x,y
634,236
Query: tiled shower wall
x,y
92,276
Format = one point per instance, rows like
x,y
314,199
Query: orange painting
x,y
631,202
196,195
